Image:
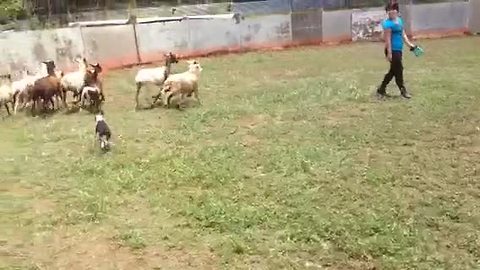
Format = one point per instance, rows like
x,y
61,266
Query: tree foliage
x,y
11,9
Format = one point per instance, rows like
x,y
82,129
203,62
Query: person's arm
x,y
388,42
409,43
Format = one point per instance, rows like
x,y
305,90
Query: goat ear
x,y
97,66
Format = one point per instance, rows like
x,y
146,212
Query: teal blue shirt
x,y
397,33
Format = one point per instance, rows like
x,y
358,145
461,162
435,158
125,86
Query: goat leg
x,y
64,98
15,106
168,98
32,109
44,105
15,97
83,96
6,107
51,101
139,86
195,92
156,98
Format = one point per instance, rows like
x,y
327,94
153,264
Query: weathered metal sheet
x,y
26,50
208,35
156,39
367,24
266,30
307,26
303,5
112,46
337,26
262,7
474,16
440,16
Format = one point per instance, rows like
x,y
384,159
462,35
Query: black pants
x,y
396,70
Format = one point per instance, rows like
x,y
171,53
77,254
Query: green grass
x,y
289,163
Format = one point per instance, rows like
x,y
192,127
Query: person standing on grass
x,y
394,36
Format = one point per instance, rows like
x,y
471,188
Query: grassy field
x,y
289,163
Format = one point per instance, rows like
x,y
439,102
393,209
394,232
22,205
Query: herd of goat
x,y
50,86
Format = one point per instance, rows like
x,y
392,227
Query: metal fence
x,y
154,8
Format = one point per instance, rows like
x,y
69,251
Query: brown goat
x,y
46,88
91,79
92,89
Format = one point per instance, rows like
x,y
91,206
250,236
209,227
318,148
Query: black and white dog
x,y
102,132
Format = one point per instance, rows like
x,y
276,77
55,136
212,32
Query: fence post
x,y
474,17
137,47
407,16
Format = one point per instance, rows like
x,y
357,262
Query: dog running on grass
x,y
102,132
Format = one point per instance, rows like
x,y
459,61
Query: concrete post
x,y
406,13
474,17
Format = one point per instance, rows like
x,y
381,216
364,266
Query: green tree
x,y
11,9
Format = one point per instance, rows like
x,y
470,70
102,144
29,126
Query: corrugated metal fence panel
x,y
440,16
335,4
263,7
307,26
474,13
283,6
367,24
203,9
301,5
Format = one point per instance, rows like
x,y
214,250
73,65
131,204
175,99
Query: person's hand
x,y
413,47
389,56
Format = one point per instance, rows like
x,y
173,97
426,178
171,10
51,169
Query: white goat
x,y
155,76
22,86
6,92
74,81
183,84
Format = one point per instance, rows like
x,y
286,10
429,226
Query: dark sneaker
x,y
381,93
405,93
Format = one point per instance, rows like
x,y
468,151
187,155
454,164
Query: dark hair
x,y
392,6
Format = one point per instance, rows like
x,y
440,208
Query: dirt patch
x,y
249,141
159,258
71,250
252,121
43,206
17,190
343,115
